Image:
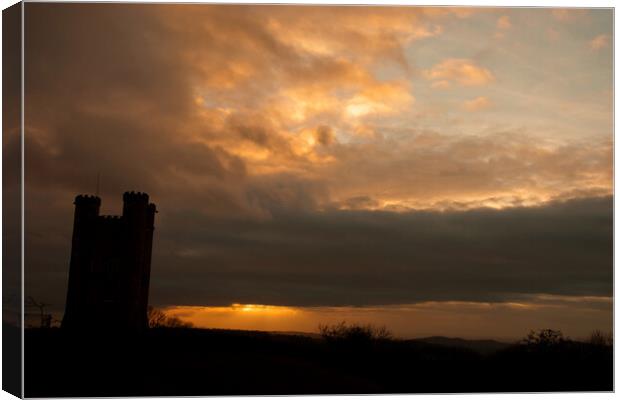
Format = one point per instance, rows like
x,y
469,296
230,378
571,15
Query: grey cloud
x,y
369,258
325,135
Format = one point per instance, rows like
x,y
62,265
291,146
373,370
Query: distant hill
x,y
313,335
483,347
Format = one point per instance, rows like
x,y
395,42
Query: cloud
x,y
462,71
552,34
432,170
324,135
258,132
477,104
503,22
183,97
208,132
599,42
354,258
339,258
441,84
567,14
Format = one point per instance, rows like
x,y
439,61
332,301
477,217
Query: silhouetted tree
x,y
598,338
158,319
354,333
544,338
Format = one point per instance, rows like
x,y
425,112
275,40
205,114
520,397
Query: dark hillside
x,y
481,346
219,362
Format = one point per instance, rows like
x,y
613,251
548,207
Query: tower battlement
x,y
135,197
111,217
85,199
110,265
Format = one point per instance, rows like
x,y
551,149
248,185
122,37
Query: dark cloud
x,y
11,165
359,258
367,258
108,94
324,135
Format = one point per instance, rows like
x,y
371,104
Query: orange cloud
x,y
498,171
477,104
440,84
567,14
503,22
462,71
599,42
295,91
380,98
552,34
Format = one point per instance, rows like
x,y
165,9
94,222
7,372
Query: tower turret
x,y
139,217
82,248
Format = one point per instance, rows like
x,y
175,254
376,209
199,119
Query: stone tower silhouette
x,y
110,264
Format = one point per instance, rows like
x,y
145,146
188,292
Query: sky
x,y
435,170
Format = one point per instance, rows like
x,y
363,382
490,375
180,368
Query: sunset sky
x,y
440,171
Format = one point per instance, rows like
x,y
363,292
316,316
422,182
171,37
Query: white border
x,y
464,3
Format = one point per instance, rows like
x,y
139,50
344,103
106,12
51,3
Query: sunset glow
x,y
508,321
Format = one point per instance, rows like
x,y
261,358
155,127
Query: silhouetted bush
x,y
159,319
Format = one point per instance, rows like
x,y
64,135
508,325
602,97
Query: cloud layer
x,y
216,103
362,258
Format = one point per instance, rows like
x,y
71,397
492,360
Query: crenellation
x,y
138,197
111,217
84,199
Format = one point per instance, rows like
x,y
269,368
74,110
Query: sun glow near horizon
x,y
472,320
